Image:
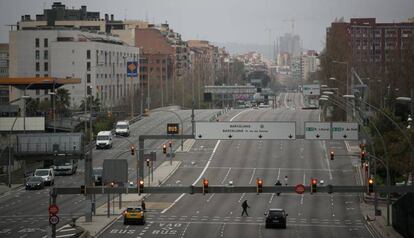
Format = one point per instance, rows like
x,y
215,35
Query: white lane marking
x,y
172,204
304,180
323,145
67,235
63,227
278,174
205,168
70,229
251,178
241,197
225,177
271,198
209,199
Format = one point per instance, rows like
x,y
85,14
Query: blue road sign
x,y
132,69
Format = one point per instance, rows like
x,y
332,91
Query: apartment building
x,y
4,72
370,42
98,59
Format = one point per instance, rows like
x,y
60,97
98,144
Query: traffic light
x,y
363,156
332,155
132,150
170,144
370,185
140,186
82,189
314,184
148,162
259,185
205,186
164,149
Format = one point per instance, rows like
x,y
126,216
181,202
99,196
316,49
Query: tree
x,y
96,104
62,102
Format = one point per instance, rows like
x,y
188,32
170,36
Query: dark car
x,y
97,176
35,183
276,217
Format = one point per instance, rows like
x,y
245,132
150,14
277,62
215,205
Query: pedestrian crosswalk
x,y
154,217
66,231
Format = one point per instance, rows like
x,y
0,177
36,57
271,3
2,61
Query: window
x,y
46,75
88,66
45,92
37,92
89,90
46,54
88,54
37,66
37,75
37,42
37,54
88,78
46,43
46,66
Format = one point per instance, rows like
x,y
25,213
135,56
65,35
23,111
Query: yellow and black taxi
x,y
134,215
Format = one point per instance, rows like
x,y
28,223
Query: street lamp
x,y
328,92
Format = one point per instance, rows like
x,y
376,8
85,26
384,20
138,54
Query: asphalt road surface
x,y
242,161
25,213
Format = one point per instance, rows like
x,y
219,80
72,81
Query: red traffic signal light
x,y
363,155
140,186
205,186
164,149
314,184
132,150
259,185
170,144
332,155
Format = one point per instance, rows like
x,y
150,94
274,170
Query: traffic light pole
x,y
141,144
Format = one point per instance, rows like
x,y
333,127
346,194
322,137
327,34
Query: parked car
x,y
134,215
35,183
47,175
276,217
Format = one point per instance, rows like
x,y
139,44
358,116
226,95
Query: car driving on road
x,y
35,183
134,215
276,217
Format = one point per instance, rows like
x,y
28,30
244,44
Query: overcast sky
x,y
239,21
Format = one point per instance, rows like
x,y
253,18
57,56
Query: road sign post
x,y
344,131
300,189
245,130
317,130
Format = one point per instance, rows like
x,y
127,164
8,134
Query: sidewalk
x,y
4,189
101,221
377,225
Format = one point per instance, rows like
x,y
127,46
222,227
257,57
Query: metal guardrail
x,y
230,189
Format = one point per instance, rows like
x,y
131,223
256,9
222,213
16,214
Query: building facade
x,y
98,59
4,72
370,42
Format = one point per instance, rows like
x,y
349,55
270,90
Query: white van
x,y
65,166
122,128
104,140
47,175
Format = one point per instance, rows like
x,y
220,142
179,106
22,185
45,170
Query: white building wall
x,y
68,59
108,79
